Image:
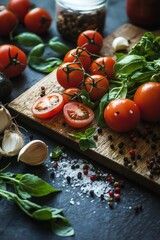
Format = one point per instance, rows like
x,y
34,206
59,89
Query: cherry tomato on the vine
x,y
8,21
70,75
38,20
48,106
91,40
79,55
20,8
103,66
147,97
122,115
13,60
71,94
96,86
77,115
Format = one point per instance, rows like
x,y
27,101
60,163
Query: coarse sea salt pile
x,y
91,181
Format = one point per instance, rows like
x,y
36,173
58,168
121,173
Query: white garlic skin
x,y
5,118
12,142
120,43
34,153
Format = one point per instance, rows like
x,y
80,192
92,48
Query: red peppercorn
x,y
132,152
92,177
117,196
42,88
111,193
55,165
85,171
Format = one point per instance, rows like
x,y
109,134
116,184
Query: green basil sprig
x,y
27,186
85,139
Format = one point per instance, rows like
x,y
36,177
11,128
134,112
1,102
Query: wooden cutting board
x,y
104,154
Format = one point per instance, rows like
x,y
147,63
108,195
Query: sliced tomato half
x,y
48,105
77,115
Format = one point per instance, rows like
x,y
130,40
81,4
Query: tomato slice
x,y
77,115
48,105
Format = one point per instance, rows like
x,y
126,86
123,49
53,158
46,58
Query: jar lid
x,y
82,5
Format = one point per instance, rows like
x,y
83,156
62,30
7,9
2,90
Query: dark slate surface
x,y
90,219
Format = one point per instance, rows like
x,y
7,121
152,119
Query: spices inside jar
x,y
74,17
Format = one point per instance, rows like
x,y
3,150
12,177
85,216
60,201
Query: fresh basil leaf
x,y
44,213
35,186
28,39
44,65
99,112
87,143
56,152
58,47
118,92
21,193
77,135
2,185
61,226
129,64
89,132
86,99
37,51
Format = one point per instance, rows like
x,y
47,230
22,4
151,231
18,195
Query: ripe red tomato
x,y
13,60
122,115
91,40
79,55
147,97
96,86
20,8
69,75
71,94
48,105
38,20
103,66
77,115
8,21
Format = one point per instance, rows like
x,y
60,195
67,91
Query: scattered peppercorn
x,y
79,175
99,130
68,179
52,174
91,193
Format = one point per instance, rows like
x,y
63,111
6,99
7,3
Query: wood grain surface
x,y
112,158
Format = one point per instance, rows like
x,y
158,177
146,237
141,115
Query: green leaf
x,y
44,65
42,214
86,99
35,186
28,39
129,64
37,51
56,152
118,92
57,46
61,226
2,185
21,193
87,143
99,113
77,135
89,132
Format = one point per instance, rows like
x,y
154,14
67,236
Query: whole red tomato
x,y
122,115
13,60
70,75
91,40
147,97
20,8
37,20
8,21
96,86
103,66
79,55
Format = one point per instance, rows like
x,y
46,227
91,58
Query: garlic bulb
x,y
120,43
12,142
5,118
33,153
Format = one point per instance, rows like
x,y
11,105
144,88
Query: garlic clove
x,y
12,142
120,43
5,117
33,153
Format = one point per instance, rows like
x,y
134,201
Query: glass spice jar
x,y
144,13
74,17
